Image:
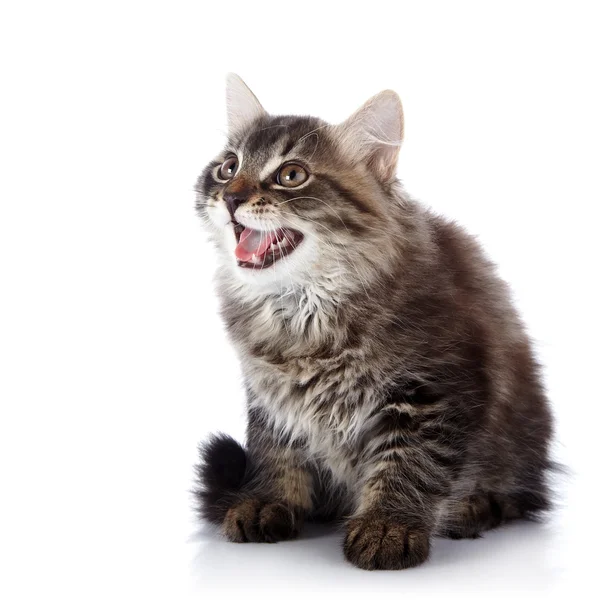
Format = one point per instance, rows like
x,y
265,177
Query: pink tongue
x,y
253,242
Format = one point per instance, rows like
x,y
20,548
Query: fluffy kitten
x,y
389,378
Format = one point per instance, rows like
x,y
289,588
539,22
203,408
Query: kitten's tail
x,y
221,473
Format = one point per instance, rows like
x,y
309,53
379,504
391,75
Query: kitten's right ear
x,y
374,134
242,105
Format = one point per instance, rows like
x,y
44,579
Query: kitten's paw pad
x,y
255,521
375,543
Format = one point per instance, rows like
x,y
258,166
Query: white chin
x,y
283,274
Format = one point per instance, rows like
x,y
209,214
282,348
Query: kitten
x,y
390,381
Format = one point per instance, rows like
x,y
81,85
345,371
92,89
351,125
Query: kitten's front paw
x,y
377,543
256,521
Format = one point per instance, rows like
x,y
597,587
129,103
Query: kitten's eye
x,y
291,175
229,168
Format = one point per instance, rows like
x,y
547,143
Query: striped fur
x,y
390,380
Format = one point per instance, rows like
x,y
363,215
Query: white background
x,y
114,363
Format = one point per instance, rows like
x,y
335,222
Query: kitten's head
x,y
293,200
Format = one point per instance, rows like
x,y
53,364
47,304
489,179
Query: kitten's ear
x,y
242,105
374,134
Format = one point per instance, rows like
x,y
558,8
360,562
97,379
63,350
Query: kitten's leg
x,y
279,492
394,520
408,470
478,513
273,506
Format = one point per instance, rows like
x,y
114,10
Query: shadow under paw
x,y
378,543
256,521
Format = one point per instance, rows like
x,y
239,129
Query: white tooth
x,y
284,242
254,258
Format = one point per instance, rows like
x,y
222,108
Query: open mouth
x,y
260,249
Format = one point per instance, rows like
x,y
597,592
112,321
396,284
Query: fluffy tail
x,y
222,472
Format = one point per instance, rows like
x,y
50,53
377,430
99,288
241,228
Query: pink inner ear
x,y
242,105
374,133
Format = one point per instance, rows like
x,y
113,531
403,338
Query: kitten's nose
x,y
234,200
237,193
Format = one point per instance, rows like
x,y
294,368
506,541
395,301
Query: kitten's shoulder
x,y
458,248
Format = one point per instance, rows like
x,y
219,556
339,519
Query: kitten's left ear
x,y
242,105
374,134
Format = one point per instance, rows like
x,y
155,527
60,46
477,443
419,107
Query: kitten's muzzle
x,y
238,192
233,200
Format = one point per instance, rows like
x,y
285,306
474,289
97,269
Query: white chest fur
x,y
323,403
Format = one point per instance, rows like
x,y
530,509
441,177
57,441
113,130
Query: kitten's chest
x,y
325,404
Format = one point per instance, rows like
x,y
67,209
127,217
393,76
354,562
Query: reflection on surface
x,y
520,556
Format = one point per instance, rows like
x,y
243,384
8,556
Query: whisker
x,y
335,212
272,127
283,316
306,135
339,254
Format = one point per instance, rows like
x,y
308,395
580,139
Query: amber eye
x,y
292,175
229,168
